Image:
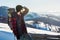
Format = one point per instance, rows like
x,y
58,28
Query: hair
x,y
18,8
11,9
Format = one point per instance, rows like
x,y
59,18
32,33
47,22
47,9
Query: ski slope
x,y
7,34
38,31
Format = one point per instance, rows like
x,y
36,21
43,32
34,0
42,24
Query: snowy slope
x,y
6,33
38,31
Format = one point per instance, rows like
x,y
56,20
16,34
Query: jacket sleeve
x,y
25,11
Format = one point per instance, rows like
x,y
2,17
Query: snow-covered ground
x,y
5,27
7,34
38,31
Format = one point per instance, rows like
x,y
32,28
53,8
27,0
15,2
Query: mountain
x,y
3,11
3,14
31,16
52,19
57,18
45,18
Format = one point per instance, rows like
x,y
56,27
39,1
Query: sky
x,y
35,5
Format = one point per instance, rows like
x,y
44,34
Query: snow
x,y
6,36
5,27
6,33
38,31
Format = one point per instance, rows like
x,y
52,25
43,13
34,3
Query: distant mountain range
x,y
47,19
3,14
3,11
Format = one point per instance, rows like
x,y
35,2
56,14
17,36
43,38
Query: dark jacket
x,y
18,25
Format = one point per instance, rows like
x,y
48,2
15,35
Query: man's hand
x,y
24,11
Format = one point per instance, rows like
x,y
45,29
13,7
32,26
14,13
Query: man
x,y
18,23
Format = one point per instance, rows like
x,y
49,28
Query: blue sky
x,y
34,5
